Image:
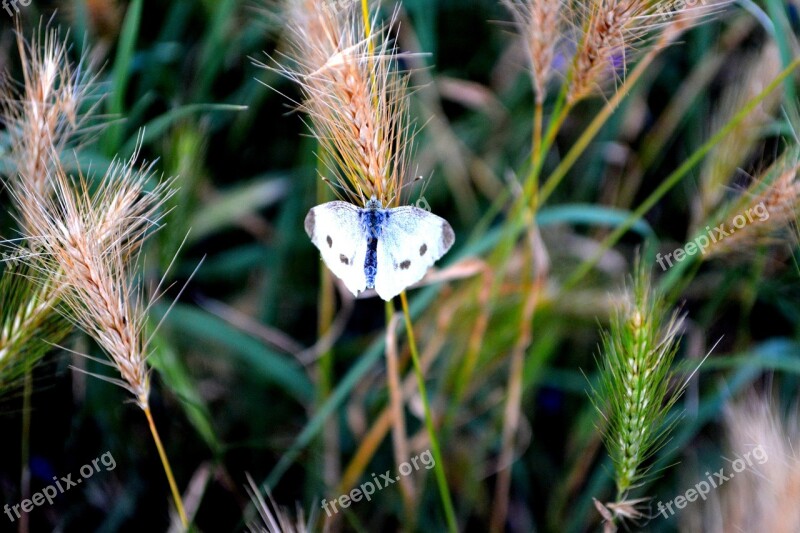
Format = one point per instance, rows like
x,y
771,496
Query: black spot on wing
x,y
309,224
423,249
330,242
344,259
405,264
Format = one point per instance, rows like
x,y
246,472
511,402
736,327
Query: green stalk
x,y
594,127
559,114
675,178
441,480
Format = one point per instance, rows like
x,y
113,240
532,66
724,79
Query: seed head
x,y
353,94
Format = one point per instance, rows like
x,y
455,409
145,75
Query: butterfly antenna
x,y
334,186
412,182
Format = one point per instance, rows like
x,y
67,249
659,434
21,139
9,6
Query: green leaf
x,y
194,324
121,75
216,42
595,215
176,377
235,204
157,127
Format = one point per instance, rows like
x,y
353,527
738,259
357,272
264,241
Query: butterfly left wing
x,y
335,229
411,240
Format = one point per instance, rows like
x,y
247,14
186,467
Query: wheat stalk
x,y
615,31
353,95
357,103
541,26
770,205
84,241
42,116
79,246
635,394
49,112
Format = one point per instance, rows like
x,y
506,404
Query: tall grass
x,y
77,244
562,140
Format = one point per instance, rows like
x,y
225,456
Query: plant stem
x,y
176,495
399,436
331,466
536,153
559,115
441,480
513,408
599,120
367,27
674,178
520,213
470,361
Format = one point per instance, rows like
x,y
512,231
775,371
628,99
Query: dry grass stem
x,y
46,114
614,31
354,96
732,152
77,243
396,406
274,519
770,208
536,272
541,26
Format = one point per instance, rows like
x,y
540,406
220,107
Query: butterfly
x,y
378,248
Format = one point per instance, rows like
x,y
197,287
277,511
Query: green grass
x,y
618,178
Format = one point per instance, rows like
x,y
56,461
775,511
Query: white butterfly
x,y
373,247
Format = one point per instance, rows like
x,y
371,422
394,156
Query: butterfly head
x,y
373,203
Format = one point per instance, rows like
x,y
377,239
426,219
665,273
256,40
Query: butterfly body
x,y
387,249
373,217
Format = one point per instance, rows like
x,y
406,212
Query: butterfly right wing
x,y
335,229
411,240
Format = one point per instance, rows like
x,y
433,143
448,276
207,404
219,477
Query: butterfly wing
x,y
335,229
411,240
